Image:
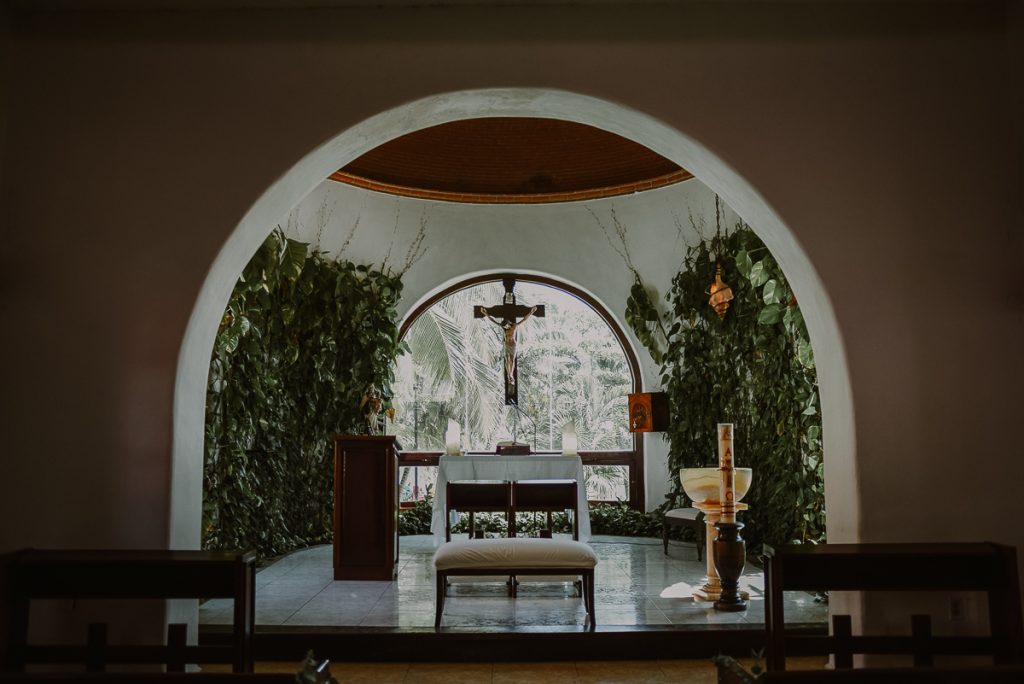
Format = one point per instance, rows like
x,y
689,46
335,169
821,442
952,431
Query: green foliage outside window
x,y
301,339
754,369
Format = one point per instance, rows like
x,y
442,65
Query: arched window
x,y
573,365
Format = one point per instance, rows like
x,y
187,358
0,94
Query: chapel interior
x,y
560,155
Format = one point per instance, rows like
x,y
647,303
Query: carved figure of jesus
x,y
509,330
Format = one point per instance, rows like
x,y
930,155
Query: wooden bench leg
x,y
442,582
588,584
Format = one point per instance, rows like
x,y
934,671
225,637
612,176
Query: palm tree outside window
x,y
572,366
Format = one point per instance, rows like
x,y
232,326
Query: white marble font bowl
x,y
703,484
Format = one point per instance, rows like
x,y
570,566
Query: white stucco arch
x,y
842,501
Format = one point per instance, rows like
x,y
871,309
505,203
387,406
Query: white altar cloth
x,y
492,467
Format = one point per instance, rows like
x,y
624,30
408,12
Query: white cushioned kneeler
x,y
514,553
516,556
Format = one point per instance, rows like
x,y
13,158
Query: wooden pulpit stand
x,y
365,507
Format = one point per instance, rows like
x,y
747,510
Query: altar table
x,y
492,467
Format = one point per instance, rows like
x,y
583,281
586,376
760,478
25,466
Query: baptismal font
x,y
709,489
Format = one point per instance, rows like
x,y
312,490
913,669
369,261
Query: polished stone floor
x,y
636,584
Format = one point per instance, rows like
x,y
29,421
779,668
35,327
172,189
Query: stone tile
x,y
275,591
289,583
329,604
322,617
444,673
353,591
633,578
270,573
497,609
475,620
269,616
688,612
281,603
619,597
547,612
632,617
413,592
313,568
406,618
396,605
399,587
416,575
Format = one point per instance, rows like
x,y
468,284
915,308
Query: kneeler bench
x,y
515,556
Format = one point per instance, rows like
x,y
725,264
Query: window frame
x,y
633,459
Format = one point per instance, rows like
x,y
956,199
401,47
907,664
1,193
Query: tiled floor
x,y
636,584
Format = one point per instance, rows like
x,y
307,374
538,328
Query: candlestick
x,y
453,439
730,550
569,440
725,466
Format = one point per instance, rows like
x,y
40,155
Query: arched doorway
x,y
843,512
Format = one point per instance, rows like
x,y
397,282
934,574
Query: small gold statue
x,y
370,406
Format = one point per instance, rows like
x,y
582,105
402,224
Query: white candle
x,y
727,495
569,441
453,439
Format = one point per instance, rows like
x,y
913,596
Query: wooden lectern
x,y
365,507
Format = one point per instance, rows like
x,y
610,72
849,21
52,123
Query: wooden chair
x,y
687,517
987,567
546,496
477,496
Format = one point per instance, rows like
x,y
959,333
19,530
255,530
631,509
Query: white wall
x,y
561,240
878,134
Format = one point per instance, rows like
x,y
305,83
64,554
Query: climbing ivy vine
x,y
301,338
754,368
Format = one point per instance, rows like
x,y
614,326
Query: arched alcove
x,y
297,182
622,451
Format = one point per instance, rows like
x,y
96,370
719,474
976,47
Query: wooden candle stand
x,y
730,554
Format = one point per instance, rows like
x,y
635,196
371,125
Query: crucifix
x,y
509,316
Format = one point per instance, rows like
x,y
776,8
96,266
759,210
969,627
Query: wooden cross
x,y
508,316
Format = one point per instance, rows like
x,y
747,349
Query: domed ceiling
x,y
511,161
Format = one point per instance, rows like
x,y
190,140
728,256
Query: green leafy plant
x,y
301,338
622,520
416,518
755,369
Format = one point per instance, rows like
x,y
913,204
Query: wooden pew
x,y
134,574
985,567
